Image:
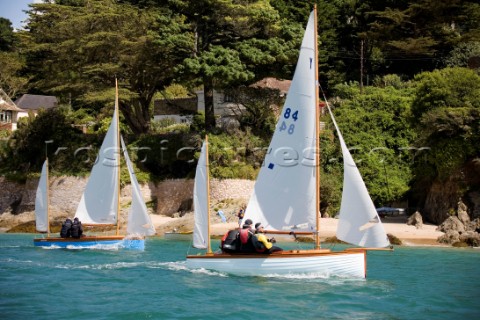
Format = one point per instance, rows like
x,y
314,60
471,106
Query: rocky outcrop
x,y
459,229
415,220
442,199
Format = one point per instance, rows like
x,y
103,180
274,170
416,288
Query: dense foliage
x,y
395,73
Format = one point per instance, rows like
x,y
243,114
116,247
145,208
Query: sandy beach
x,y
409,235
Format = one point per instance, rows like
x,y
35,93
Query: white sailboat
x,y
41,201
201,205
99,205
286,193
201,201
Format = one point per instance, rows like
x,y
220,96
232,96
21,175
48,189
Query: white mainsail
x,y
139,222
200,201
99,201
358,223
41,200
284,194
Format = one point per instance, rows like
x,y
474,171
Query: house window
x,y
6,116
227,98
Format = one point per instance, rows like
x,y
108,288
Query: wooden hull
x,y
348,264
91,242
179,236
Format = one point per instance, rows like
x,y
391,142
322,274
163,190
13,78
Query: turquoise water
x,y
409,283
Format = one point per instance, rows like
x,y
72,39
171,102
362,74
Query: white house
x,y
8,113
181,110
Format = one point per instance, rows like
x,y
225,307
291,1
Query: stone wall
x,y
65,194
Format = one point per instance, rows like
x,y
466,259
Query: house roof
x,y
175,106
35,102
273,83
4,105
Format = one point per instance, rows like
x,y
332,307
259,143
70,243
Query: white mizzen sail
x,y
284,194
99,203
358,223
139,222
41,200
200,201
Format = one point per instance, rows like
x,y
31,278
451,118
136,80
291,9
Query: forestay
x,y
284,193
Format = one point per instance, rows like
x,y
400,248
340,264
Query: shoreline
x,y
427,235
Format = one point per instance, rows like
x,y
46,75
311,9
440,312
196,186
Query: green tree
x,y
7,37
447,117
403,37
461,55
235,43
11,79
77,48
375,127
256,108
26,150
11,62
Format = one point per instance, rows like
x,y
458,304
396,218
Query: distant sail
x,y
200,202
41,201
139,222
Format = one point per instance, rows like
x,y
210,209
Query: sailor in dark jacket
x,y
66,230
77,229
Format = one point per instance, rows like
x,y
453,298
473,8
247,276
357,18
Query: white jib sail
x,y
359,223
284,194
100,199
41,199
200,202
139,222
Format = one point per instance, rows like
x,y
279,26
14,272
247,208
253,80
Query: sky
x,y
13,11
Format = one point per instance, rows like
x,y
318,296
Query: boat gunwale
x,y
82,239
279,254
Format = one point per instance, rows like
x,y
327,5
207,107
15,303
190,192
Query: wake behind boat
x,y
286,194
99,205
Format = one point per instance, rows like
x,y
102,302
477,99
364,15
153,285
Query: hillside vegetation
x,y
402,78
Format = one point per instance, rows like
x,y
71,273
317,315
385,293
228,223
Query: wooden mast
x,y
118,157
207,173
317,135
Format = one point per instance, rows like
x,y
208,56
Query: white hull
x,y
342,264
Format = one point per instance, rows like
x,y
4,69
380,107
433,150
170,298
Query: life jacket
x,y
229,241
246,244
245,234
258,245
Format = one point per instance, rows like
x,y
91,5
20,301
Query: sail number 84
x,y
287,115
